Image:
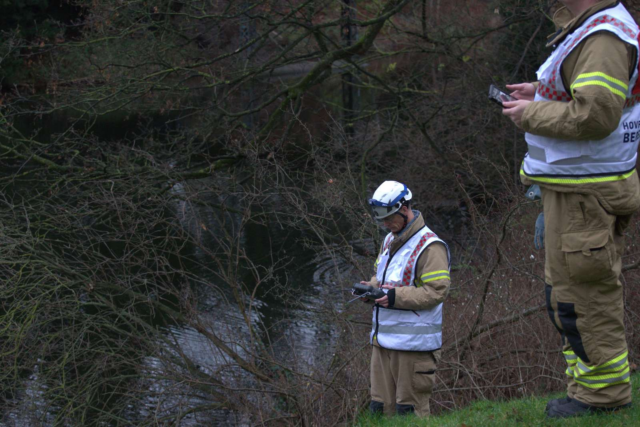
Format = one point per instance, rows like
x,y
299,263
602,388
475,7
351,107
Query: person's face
x,y
394,223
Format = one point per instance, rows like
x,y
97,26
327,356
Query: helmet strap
x,y
405,220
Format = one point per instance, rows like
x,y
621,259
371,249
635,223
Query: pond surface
x,y
291,332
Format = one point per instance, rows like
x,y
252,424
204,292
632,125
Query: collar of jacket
x,y
411,229
566,23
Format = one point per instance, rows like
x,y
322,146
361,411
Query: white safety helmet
x,y
389,198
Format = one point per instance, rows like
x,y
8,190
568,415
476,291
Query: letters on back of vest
x,y
614,155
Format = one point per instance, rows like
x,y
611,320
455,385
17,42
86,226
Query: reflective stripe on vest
x,y
407,330
559,161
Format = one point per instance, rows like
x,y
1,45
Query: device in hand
x,y
367,291
498,96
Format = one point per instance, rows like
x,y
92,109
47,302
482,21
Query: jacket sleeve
x,y
432,281
597,74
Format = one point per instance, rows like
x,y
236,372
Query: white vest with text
x,y
614,155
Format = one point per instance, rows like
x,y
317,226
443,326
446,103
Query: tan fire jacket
x,y
433,258
594,111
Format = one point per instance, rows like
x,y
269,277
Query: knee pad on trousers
x,y
376,407
404,409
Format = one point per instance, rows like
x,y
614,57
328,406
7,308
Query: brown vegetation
x,y
161,162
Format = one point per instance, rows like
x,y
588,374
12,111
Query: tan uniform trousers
x,y
583,247
402,380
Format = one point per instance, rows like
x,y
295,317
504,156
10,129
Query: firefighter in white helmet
x,y
406,336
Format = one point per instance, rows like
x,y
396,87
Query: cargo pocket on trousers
x,y
423,377
588,255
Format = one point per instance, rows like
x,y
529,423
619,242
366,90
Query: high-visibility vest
x,y
399,329
564,161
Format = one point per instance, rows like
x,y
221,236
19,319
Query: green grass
x,y
522,412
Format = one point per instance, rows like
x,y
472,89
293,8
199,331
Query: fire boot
x,y
556,402
575,408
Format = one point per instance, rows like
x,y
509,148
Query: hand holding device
x,y
367,291
498,96
524,91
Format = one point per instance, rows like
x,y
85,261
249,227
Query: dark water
x,y
289,331
294,331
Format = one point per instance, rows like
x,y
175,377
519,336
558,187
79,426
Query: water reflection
x,y
297,335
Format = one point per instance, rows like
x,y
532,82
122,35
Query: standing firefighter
x,y
582,136
413,265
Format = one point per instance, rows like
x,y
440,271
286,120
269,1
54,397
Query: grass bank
x,y
521,412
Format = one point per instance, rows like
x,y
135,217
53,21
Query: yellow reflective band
x,y
598,83
570,357
441,277
375,265
602,385
602,377
618,87
602,381
604,365
431,273
604,76
434,273
569,372
613,365
586,180
590,374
